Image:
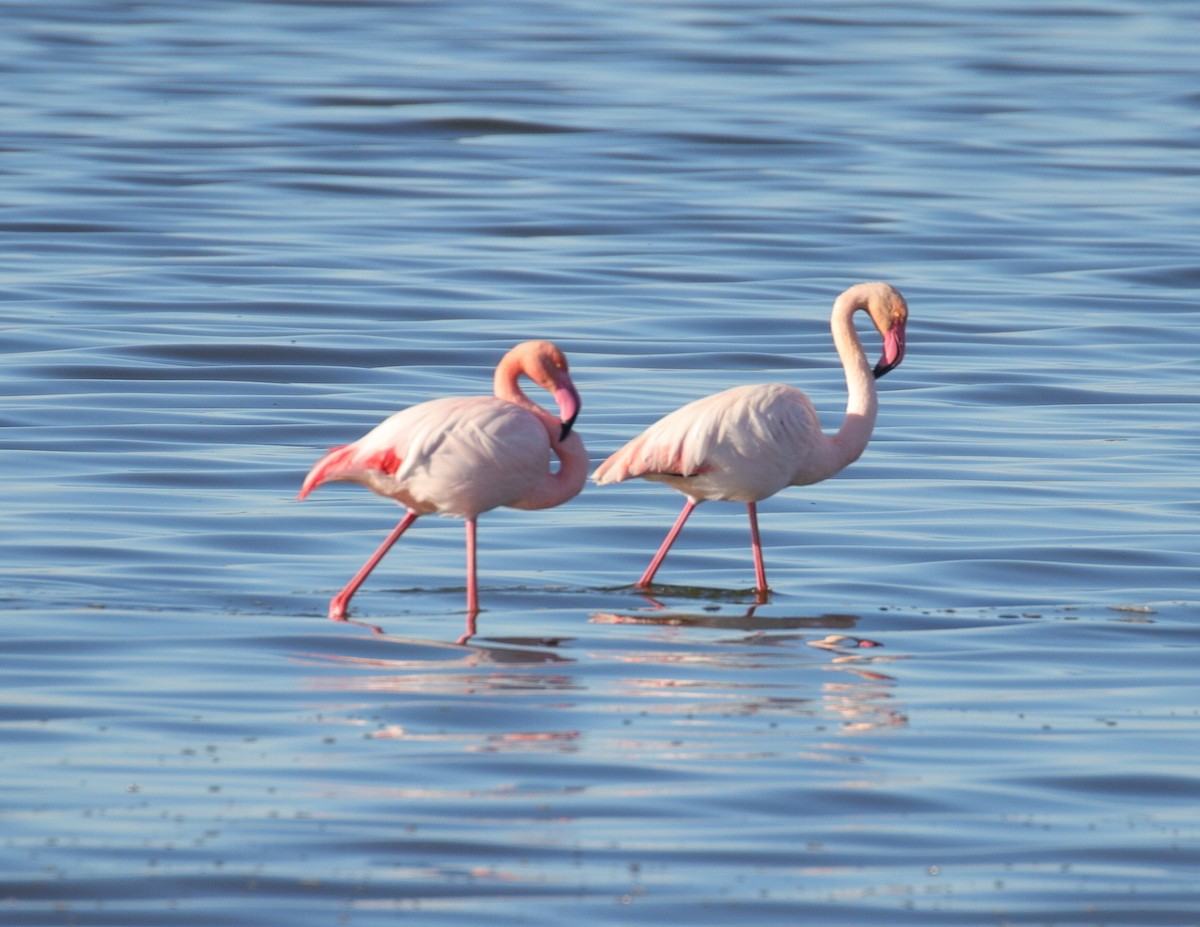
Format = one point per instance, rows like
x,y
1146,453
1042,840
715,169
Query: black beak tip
x,y
566,427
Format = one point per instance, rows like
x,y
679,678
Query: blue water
x,y
236,234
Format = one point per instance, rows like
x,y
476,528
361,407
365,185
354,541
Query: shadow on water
x,y
713,617
387,651
718,609
712,594
717,614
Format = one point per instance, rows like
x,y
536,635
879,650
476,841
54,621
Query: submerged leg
x,y
339,603
648,576
760,572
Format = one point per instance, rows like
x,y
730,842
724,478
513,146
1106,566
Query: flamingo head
x,y
889,312
569,404
546,364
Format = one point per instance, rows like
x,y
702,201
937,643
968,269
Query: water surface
x,y
236,234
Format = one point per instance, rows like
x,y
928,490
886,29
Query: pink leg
x,y
472,585
648,576
760,572
340,602
469,632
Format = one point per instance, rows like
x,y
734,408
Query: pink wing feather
x,y
742,444
682,442
347,462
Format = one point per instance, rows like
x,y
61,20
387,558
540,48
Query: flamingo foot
x,y
469,632
338,608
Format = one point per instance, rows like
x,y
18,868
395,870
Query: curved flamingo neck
x,y
862,402
565,483
506,382
506,385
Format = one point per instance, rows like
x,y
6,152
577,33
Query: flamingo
x,y
462,456
747,443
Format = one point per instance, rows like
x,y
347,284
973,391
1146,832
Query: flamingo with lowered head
x,y
466,455
747,443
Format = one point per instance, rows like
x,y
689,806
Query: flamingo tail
x,y
329,467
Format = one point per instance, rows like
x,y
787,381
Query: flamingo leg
x,y
760,572
469,632
648,576
472,584
340,602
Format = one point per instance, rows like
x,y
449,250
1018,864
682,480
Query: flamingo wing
x,y
741,444
456,456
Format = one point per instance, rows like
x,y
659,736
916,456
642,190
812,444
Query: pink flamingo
x,y
463,456
747,443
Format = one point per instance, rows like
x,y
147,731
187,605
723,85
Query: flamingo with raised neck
x,y
747,443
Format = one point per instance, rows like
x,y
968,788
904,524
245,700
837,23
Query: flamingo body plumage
x,y
462,456
430,457
747,443
741,445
